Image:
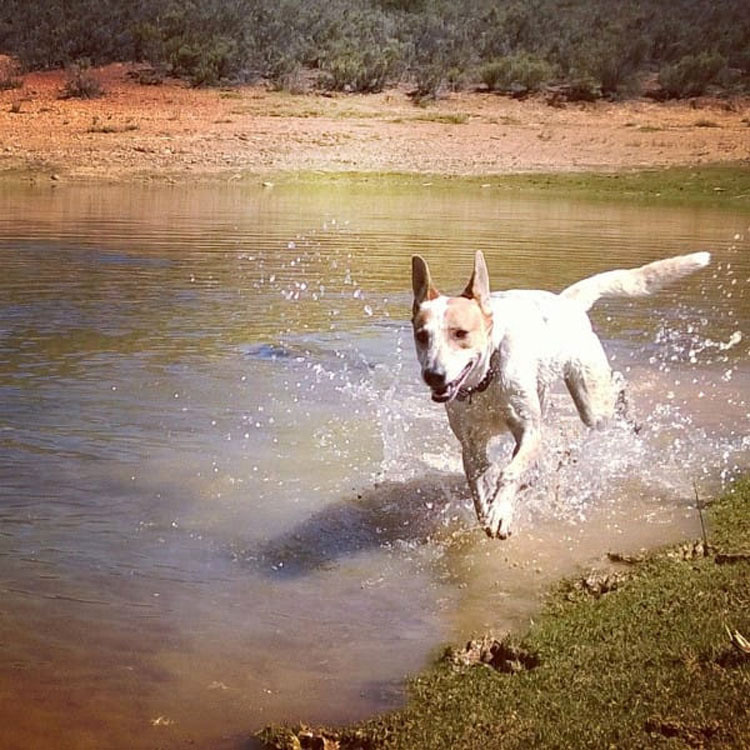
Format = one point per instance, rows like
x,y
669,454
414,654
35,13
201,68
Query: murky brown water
x,y
226,499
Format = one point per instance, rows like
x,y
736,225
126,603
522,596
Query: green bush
x,y
365,44
365,69
360,51
519,73
612,55
204,62
456,78
201,43
691,75
439,50
56,33
81,83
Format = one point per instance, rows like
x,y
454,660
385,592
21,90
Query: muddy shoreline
x,y
175,133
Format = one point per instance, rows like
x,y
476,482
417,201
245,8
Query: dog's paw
x,y
485,489
498,519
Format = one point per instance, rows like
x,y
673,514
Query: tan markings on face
x,y
465,324
422,318
423,322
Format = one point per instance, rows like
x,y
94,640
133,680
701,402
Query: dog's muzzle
x,y
445,392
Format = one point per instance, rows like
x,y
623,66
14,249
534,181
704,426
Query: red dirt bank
x,y
172,131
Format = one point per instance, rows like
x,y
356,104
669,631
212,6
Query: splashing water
x,y
688,386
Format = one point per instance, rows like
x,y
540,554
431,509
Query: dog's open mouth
x,y
448,392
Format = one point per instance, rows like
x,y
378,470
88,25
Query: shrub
x,y
363,44
204,62
203,43
519,73
9,74
583,89
81,83
429,78
456,78
292,79
150,76
439,49
365,70
360,52
612,58
691,75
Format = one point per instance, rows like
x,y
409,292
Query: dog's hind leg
x,y
591,385
623,409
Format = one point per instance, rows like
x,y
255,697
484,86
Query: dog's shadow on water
x,y
386,515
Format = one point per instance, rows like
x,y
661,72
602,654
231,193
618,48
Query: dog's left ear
x,y
478,287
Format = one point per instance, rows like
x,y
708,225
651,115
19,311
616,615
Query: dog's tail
x,y
635,282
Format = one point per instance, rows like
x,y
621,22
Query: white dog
x,y
490,358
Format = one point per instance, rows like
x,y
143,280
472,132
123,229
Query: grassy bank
x,y
638,659
721,185
714,185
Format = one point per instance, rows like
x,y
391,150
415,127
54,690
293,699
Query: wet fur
x,y
531,339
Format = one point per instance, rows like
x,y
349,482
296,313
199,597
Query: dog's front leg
x,y
527,434
481,474
493,490
474,433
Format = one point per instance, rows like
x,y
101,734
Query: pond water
x,y
225,497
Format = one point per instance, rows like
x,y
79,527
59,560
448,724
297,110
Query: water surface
x,y
226,499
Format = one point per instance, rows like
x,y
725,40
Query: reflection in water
x,y
225,496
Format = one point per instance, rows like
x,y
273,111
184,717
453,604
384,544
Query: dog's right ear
x,y
421,282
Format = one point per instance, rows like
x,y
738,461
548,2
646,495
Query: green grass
x,y
728,185
647,665
721,185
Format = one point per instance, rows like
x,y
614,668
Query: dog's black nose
x,y
436,380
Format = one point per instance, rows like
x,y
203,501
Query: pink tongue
x,y
442,396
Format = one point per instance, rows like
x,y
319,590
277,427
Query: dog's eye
x,y
422,336
459,333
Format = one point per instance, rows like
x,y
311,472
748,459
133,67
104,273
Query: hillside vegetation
x,y
584,48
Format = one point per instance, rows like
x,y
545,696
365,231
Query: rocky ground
x,y
172,131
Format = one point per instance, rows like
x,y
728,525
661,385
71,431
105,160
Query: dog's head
x,y
451,334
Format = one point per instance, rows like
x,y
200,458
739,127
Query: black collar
x,y
484,384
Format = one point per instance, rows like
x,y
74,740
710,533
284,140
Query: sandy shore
x,y
137,132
